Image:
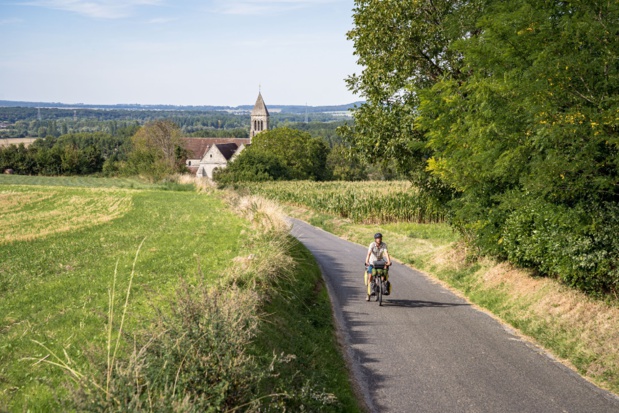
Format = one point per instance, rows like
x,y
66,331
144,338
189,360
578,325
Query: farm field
x,y
17,141
59,247
361,202
84,181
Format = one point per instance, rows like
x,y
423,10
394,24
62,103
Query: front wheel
x,y
379,293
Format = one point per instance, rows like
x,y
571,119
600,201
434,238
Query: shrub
x,y
577,245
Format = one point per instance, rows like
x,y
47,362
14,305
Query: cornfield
x,y
377,202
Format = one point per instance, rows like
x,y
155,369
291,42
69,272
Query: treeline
x,y
71,154
26,122
506,112
284,154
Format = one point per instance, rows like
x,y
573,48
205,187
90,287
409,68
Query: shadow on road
x,y
419,304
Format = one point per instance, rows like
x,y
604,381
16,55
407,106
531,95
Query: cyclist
x,y
376,252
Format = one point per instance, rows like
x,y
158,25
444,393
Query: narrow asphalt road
x,y
427,350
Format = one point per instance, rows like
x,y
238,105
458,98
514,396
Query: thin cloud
x,y
259,7
100,9
161,20
6,22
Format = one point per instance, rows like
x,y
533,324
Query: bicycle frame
x,y
378,284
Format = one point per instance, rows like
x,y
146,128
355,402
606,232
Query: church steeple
x,y
259,117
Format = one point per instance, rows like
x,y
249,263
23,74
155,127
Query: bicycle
x,y
380,288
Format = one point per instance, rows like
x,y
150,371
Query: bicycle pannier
x,y
379,264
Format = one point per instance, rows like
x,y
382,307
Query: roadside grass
x,y
300,323
579,330
53,289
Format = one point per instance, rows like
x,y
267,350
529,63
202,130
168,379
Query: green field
x,y
361,202
54,286
60,245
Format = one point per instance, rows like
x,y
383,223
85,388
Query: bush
x,y
251,166
577,245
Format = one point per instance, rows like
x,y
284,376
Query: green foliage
x,y
156,151
403,47
303,156
221,133
508,112
346,164
277,154
251,166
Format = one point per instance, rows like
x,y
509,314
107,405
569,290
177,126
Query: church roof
x,y
227,149
197,147
260,108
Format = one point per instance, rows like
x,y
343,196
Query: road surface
x,y
427,350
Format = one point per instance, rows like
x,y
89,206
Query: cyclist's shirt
x,y
376,252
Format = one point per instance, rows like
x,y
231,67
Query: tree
x,y
156,150
531,137
251,166
404,47
346,165
303,156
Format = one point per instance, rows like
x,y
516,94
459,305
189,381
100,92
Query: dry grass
x,y
16,141
579,330
201,184
269,242
35,214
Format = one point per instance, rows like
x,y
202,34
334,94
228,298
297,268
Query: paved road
x,y
427,350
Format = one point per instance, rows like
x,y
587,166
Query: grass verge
x,y
581,331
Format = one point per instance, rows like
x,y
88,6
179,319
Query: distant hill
x,y
299,109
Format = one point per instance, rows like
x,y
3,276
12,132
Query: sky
x,y
177,52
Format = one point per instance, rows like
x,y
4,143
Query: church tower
x,y
259,117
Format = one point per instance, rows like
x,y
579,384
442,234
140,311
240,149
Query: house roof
x,y
227,149
197,147
260,108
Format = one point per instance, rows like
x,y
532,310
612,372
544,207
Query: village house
x,y
205,155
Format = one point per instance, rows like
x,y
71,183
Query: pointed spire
x,y
260,108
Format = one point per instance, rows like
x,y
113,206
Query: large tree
x,y
278,154
303,156
403,47
531,136
156,150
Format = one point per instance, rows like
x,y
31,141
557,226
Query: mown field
x,y
60,247
362,202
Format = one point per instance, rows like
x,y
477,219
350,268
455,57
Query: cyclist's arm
x,y
367,257
388,258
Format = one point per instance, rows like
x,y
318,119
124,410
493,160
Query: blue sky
x,y
184,52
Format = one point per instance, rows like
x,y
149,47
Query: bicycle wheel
x,y
379,293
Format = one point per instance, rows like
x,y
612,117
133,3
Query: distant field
x,y
59,247
16,141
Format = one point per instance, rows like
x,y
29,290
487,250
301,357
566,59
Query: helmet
x,y
378,235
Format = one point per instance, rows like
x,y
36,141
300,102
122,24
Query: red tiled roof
x,y
197,147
